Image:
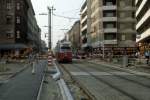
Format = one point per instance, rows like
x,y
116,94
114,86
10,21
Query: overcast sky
x,y
68,8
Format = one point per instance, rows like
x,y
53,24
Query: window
x,y
110,36
121,26
18,6
18,34
122,3
109,2
109,13
8,19
110,25
8,6
10,35
18,20
123,37
133,14
122,15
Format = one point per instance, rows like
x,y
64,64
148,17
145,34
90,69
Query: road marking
x,y
106,73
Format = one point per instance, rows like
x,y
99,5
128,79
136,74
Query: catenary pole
x,y
50,11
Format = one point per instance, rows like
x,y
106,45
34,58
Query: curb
x,y
64,89
128,70
41,85
40,89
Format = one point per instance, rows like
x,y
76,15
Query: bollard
x,y
125,61
50,59
33,68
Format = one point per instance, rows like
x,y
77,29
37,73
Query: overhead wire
x,y
66,17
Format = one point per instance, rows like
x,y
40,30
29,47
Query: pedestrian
x,y
29,58
37,57
147,56
33,64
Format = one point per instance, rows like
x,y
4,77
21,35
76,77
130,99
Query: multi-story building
x,y
85,18
143,24
112,23
14,26
74,36
34,32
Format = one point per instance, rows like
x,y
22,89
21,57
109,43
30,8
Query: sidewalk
x,y
25,85
142,67
12,69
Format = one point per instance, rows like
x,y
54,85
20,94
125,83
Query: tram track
x,y
109,84
122,77
140,82
121,69
78,83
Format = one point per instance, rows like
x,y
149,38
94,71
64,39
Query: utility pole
x,y
50,12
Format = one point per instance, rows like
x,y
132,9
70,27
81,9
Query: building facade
x,y
85,24
14,26
74,36
33,32
112,23
143,24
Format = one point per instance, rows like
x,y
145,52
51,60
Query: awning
x,y
12,46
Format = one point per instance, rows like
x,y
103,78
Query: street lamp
x,y
103,46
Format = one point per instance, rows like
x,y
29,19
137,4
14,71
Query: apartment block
x,y
85,17
143,24
33,30
74,36
14,26
112,23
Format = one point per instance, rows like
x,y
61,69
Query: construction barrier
x,y
50,59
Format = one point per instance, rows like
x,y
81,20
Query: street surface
x,y
109,83
25,85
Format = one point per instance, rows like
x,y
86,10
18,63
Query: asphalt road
x,y
25,85
109,83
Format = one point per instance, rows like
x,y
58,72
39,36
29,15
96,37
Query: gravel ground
x,y
50,90
75,89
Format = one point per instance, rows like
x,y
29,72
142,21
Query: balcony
x,y
144,19
83,28
108,19
126,20
83,19
110,41
127,31
110,30
127,8
84,10
141,6
144,35
109,7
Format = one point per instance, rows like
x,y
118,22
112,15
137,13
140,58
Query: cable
x,y
71,10
65,16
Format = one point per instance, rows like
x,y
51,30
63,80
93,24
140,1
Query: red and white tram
x,y
63,52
